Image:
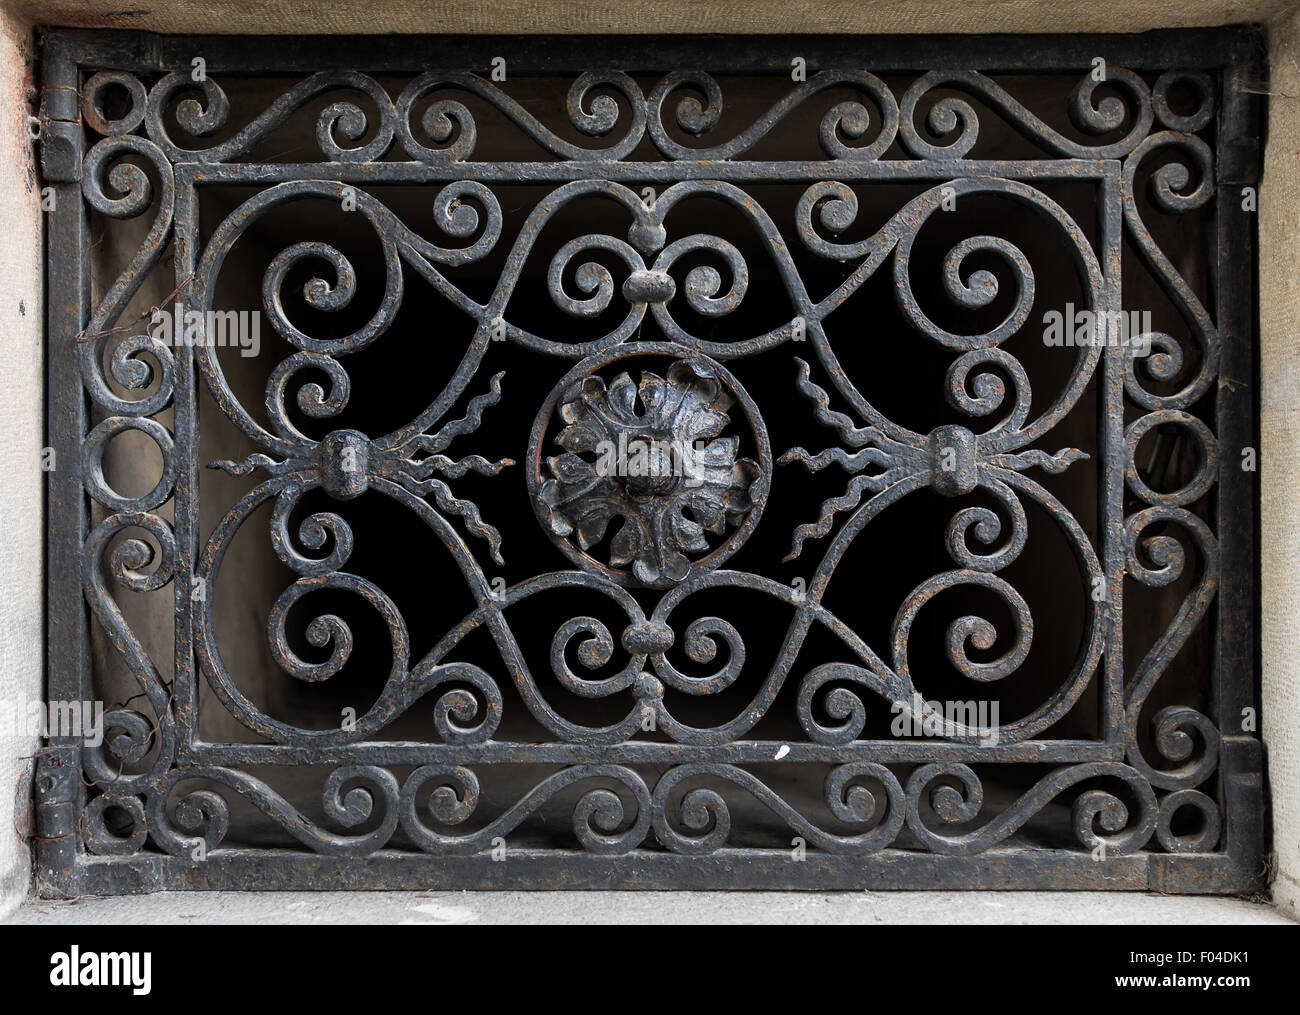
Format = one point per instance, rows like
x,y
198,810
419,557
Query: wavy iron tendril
x,y
1093,809
598,817
1158,561
1097,118
707,820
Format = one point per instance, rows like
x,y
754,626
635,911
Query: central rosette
x,y
653,467
654,455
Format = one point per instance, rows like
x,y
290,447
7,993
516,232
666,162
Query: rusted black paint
x,y
876,787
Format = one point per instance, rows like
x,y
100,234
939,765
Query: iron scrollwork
x,y
653,386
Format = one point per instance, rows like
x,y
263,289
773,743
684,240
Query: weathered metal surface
x,y
654,810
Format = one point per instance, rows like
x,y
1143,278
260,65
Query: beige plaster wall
x,y
1279,232
247,17
22,427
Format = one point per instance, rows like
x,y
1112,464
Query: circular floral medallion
x,y
657,466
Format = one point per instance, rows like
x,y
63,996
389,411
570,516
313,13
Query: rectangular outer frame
x,y
1232,57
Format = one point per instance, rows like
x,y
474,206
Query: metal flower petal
x,y
650,454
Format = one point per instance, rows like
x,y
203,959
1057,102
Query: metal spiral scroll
x,y
647,293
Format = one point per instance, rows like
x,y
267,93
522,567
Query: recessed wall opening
x,y
927,588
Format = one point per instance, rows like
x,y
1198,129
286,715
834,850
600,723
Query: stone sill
x,y
662,908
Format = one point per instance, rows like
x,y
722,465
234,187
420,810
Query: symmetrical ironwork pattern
x,y
1165,797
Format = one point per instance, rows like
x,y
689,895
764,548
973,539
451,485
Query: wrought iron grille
x,y
662,356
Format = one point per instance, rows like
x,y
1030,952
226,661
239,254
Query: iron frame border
x,y
1235,54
